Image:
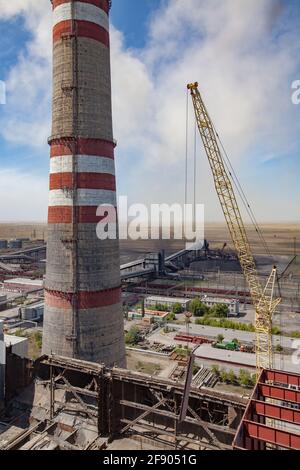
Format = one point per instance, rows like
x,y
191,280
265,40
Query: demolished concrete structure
x,y
70,404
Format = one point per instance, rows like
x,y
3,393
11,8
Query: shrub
x,y
20,333
276,330
132,337
161,308
231,377
245,379
177,308
171,317
224,323
228,377
224,376
38,338
198,309
216,370
219,311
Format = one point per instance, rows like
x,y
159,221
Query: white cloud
x,y
226,45
24,196
230,46
26,116
244,68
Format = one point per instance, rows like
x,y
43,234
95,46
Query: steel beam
x,y
272,436
278,393
164,432
169,414
282,377
269,410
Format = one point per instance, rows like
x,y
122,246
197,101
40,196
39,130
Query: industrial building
x,y
3,244
2,366
154,315
17,345
169,302
3,302
77,405
22,284
78,395
83,309
33,311
15,244
232,304
240,360
272,417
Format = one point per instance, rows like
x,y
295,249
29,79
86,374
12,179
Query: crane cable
x,y
242,195
186,154
233,176
186,161
195,173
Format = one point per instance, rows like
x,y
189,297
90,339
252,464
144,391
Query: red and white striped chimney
x,y
83,312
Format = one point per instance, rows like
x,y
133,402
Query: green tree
x,y
197,308
231,377
224,323
177,308
244,378
143,308
132,337
278,348
171,317
219,311
161,308
220,338
224,376
215,370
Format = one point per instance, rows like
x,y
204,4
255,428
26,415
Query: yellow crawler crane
x,y
262,298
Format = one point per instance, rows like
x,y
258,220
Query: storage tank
x,y
15,244
3,244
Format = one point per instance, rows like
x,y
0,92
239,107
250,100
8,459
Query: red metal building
x,y
272,417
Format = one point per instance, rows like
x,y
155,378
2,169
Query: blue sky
x,y
132,18
246,54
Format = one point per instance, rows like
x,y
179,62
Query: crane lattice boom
x,y
262,298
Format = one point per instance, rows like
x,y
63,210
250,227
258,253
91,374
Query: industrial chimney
x,y
83,315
